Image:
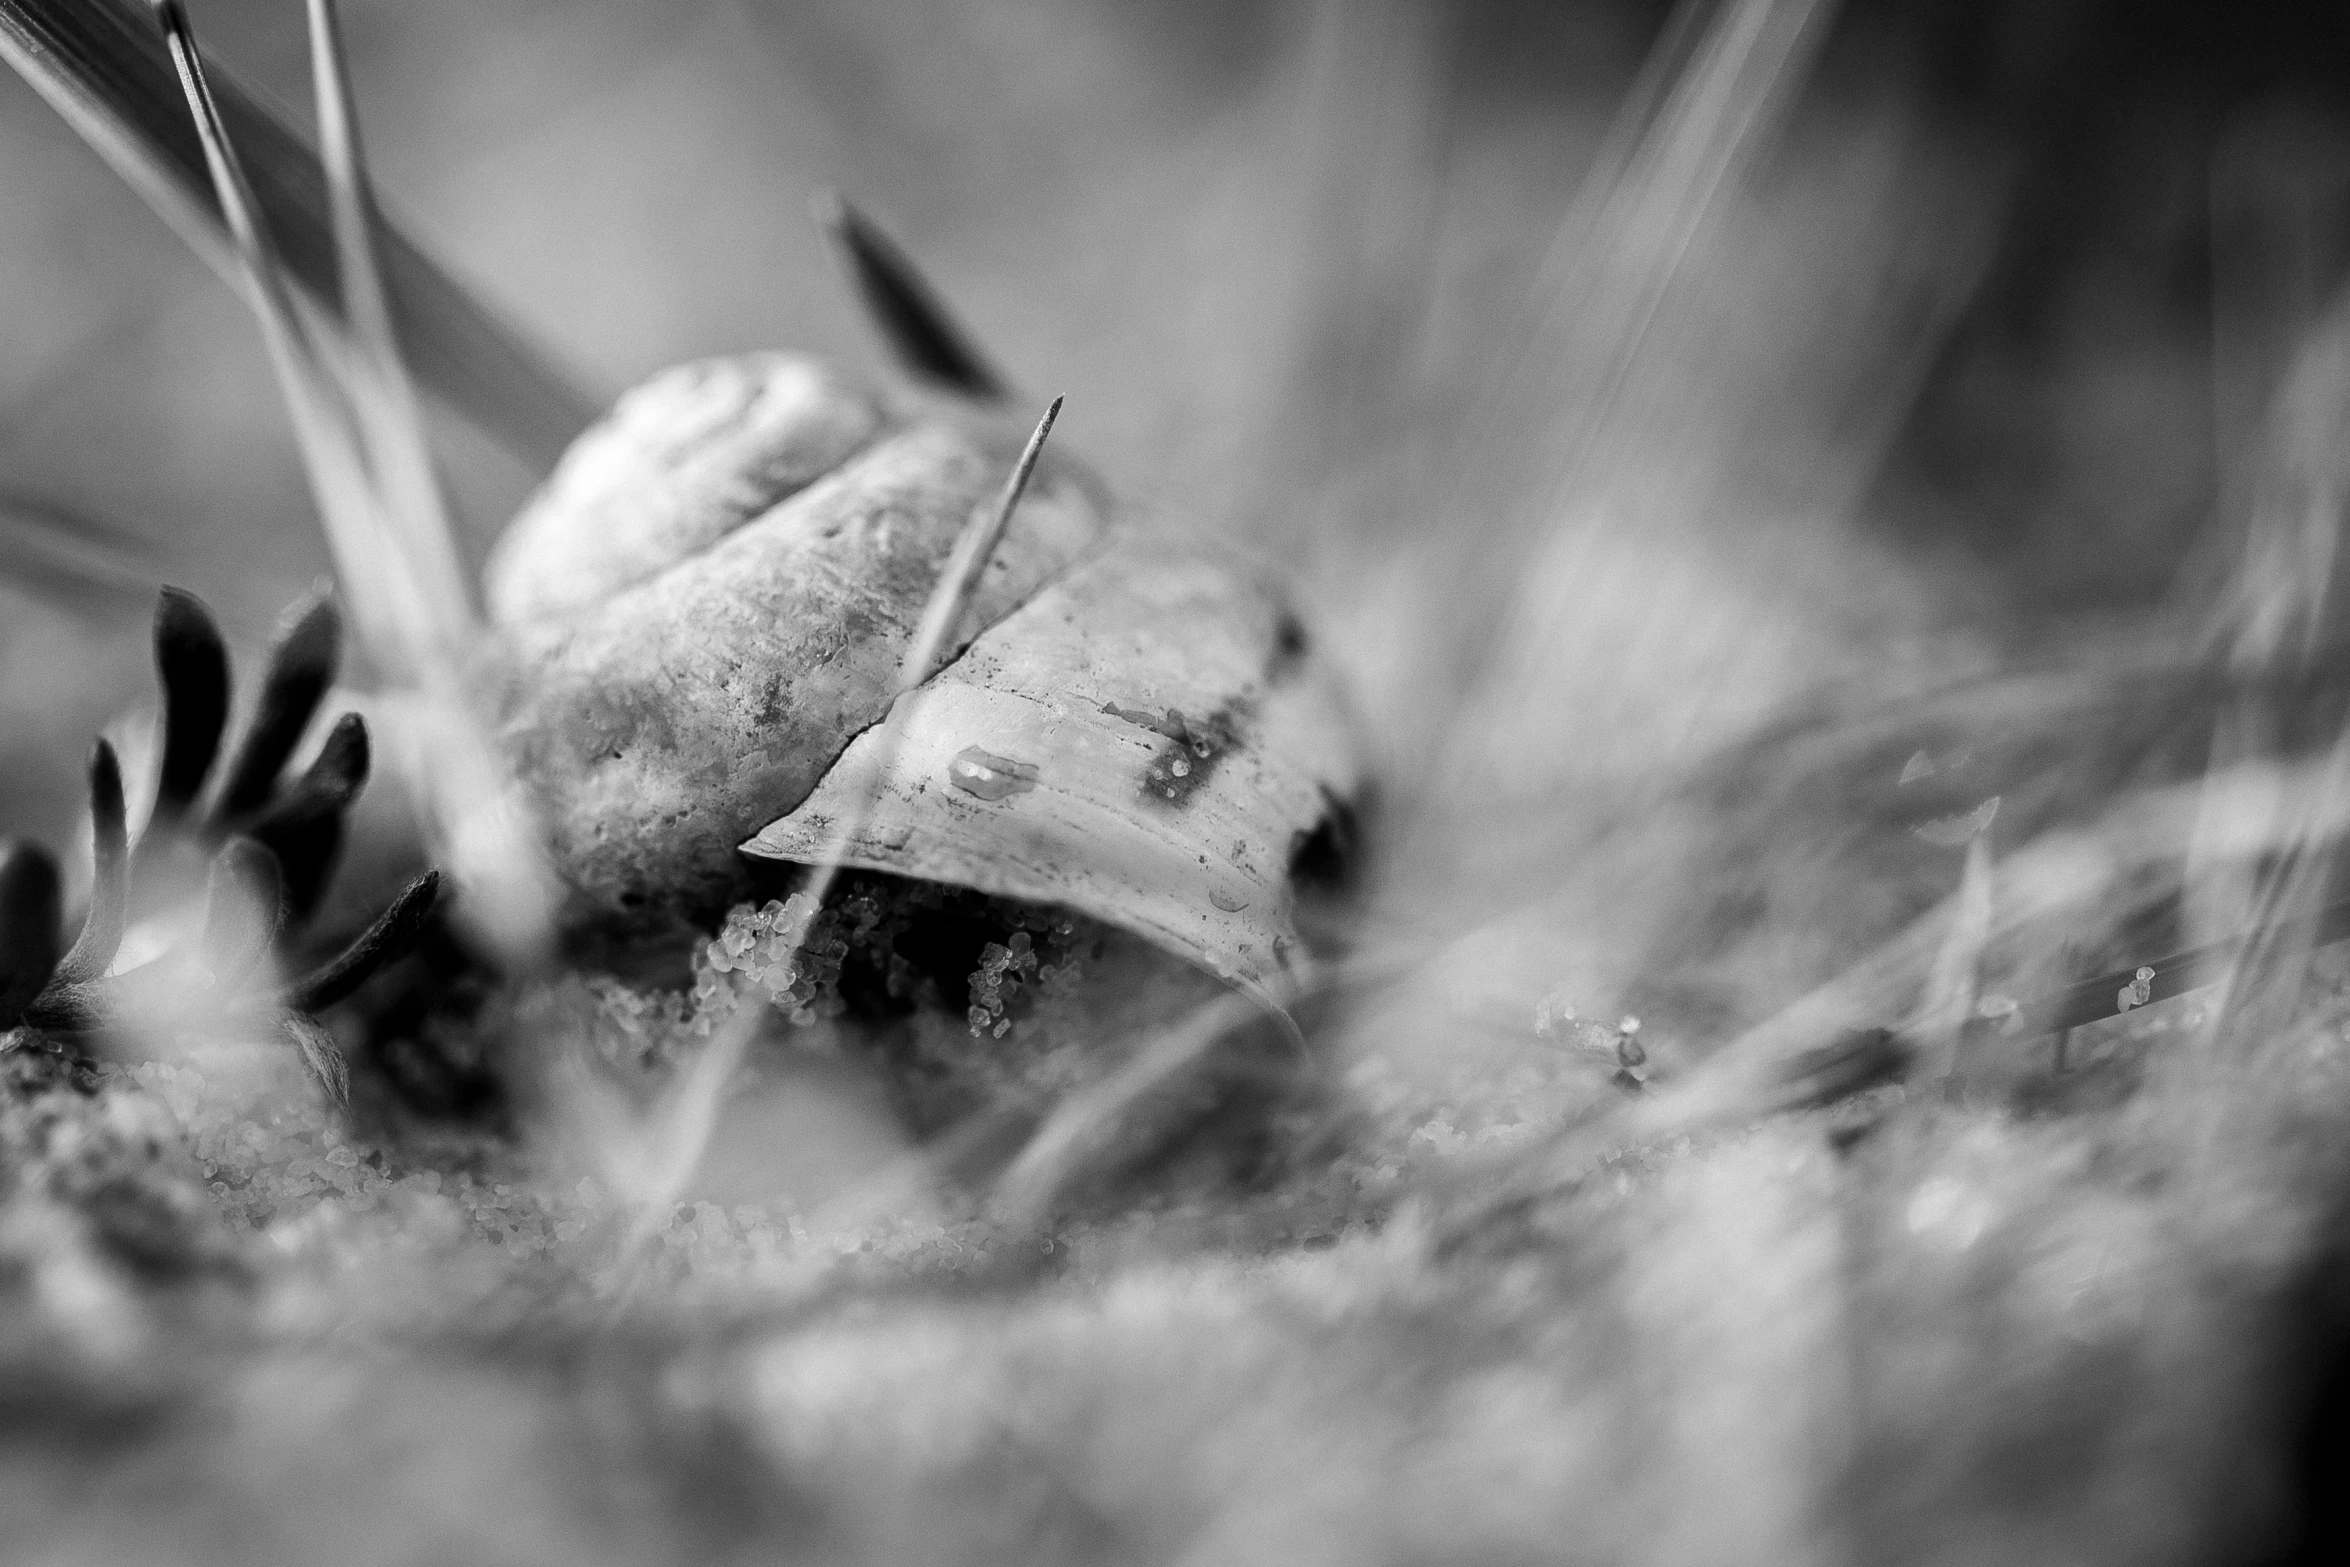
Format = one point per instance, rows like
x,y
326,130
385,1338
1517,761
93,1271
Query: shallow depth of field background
x,y
1931,376
1606,416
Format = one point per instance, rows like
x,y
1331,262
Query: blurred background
x,y
1620,380
1638,390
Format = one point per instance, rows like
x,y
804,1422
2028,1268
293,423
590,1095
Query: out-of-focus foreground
x,y
1828,518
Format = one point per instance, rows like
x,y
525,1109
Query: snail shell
x,y
1146,741
704,610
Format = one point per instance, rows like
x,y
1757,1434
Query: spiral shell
x,y
703,614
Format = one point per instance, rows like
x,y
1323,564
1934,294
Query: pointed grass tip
x,y
944,611
910,313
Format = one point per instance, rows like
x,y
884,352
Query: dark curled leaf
x,y
306,851
340,769
29,899
395,932
304,828
192,663
321,1055
243,909
1853,1063
94,949
301,667
914,320
331,781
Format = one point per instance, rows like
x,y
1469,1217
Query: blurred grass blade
x,y
377,499
382,398
244,909
910,314
71,559
103,66
1085,1130
950,601
677,1136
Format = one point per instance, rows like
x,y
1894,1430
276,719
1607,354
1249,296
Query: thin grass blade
x,y
681,1129
71,559
243,911
382,399
392,550
101,64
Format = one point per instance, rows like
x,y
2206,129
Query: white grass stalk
x,y
383,599
687,1117
1083,1127
362,444
1951,985
384,400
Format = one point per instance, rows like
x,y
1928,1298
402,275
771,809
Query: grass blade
x,y
681,1127
103,66
373,483
71,559
382,399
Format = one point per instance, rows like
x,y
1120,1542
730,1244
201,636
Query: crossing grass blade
x,y
73,560
103,66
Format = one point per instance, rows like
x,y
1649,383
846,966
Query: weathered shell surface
x,y
702,621
684,661
1147,741
681,462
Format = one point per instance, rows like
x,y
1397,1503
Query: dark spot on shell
x,y
1141,718
1191,751
1290,643
989,776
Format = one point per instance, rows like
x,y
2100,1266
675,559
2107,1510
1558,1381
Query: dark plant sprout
x,y
911,315
302,824
269,849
